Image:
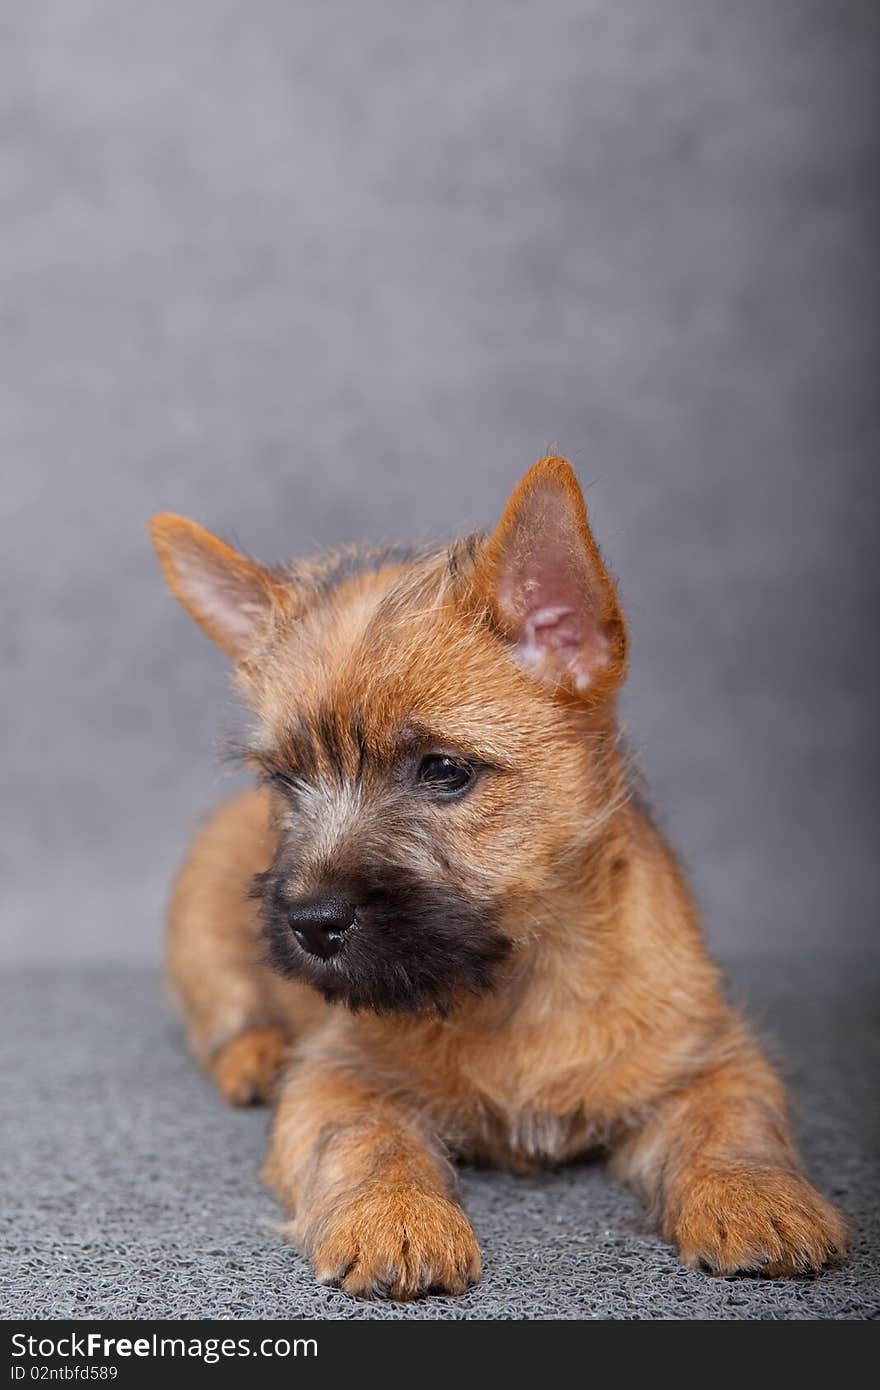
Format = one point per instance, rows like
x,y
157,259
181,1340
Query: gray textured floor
x,y
130,1190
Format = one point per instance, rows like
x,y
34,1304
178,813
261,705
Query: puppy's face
x,y
436,734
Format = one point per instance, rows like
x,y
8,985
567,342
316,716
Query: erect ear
x,y
229,596
547,588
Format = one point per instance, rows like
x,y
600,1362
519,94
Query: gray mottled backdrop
x,y
316,272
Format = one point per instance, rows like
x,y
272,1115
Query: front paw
x,y
247,1068
398,1242
757,1220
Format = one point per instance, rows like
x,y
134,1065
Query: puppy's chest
x,y
540,1098
529,1139
526,1130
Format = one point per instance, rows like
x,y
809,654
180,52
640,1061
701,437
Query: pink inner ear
x,y
228,600
559,636
550,630
557,628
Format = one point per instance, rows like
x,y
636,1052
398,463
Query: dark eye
x,y
442,774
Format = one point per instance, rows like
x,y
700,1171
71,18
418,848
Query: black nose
x,y
320,924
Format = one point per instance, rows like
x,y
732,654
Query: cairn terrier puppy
x,y
441,926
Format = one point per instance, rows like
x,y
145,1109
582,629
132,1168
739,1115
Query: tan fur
x,y
607,1028
247,1069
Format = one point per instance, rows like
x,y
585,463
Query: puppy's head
x,y
437,732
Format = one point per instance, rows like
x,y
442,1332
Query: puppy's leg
x,y
229,999
373,1194
719,1167
248,1067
